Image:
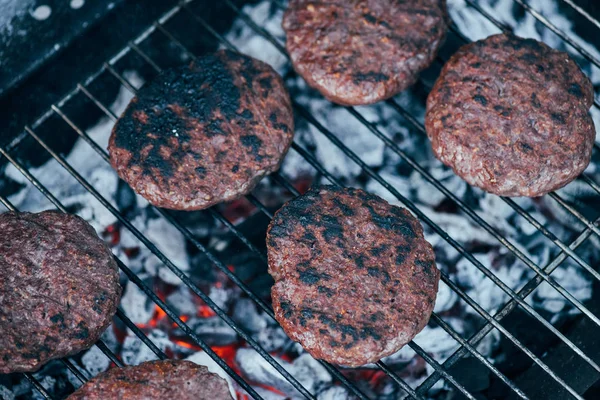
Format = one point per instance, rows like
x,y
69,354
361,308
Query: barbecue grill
x,y
566,369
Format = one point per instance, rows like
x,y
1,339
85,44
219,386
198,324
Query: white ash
x,y
310,373
135,351
334,393
6,394
95,361
136,304
171,244
446,298
181,301
201,358
245,314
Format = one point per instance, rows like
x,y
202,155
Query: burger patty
x,y
363,51
59,288
354,278
202,134
168,379
510,116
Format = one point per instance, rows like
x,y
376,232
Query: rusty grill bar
x,y
466,347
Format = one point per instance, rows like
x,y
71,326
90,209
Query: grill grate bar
x,y
138,282
574,212
168,263
411,206
584,13
558,32
38,386
74,370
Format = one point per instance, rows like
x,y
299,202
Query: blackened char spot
x,y
273,118
57,317
371,76
476,65
201,170
360,261
480,99
535,101
172,100
378,273
377,251
310,276
247,114
397,222
287,309
82,332
427,267
235,168
369,331
575,90
326,291
369,18
265,83
401,253
558,118
525,147
347,211
254,143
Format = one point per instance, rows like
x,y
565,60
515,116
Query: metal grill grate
x,y
441,371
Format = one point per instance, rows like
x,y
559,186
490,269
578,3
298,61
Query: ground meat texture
x,y
363,51
354,278
510,116
168,379
59,288
202,134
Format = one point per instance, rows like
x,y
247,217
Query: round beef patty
x,y
354,278
363,51
510,116
168,379
59,288
202,134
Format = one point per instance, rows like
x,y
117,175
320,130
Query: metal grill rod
x,y
558,32
167,262
138,282
38,386
188,235
340,145
582,12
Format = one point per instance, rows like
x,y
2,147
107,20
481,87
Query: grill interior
x,y
147,47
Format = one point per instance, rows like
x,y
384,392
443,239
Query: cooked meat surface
x,y
59,288
202,134
156,380
363,51
510,116
354,278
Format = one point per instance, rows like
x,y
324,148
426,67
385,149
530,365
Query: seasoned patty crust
x,y
168,379
363,51
354,278
59,288
205,133
510,116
